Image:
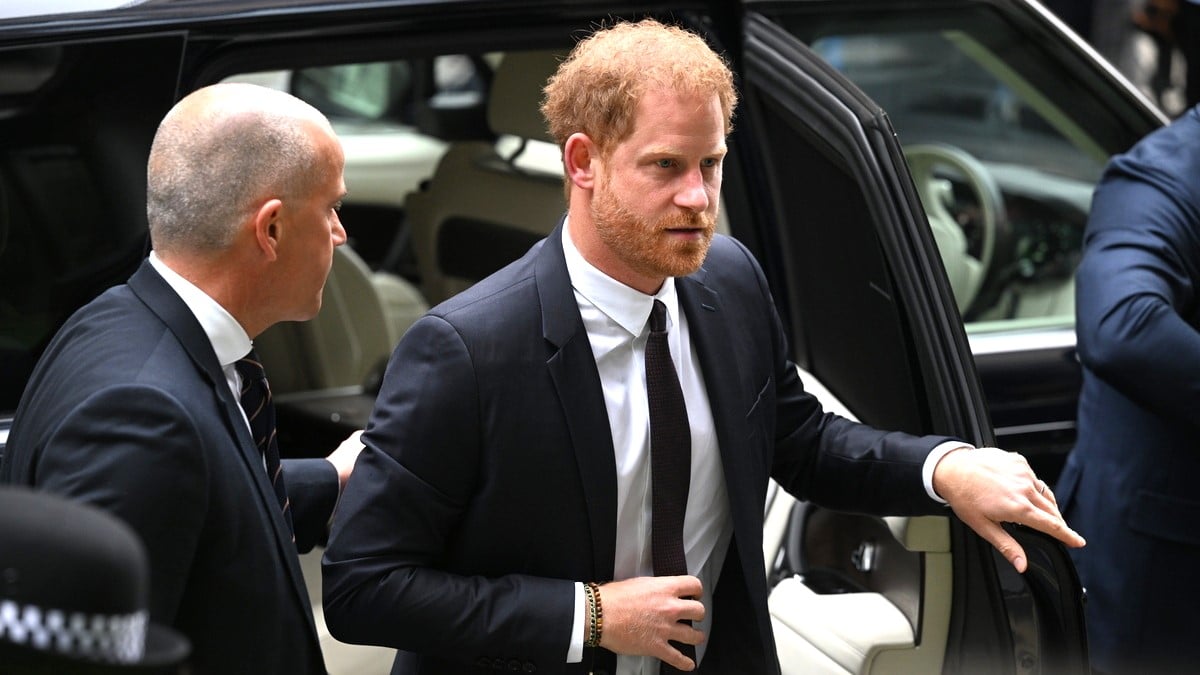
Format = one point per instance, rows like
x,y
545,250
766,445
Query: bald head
x,y
220,152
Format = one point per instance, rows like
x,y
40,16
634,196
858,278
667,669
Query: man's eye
x,y
709,162
666,163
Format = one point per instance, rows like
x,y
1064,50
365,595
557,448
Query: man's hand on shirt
x,y
989,486
643,613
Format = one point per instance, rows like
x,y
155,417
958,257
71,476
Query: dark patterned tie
x,y
256,401
670,458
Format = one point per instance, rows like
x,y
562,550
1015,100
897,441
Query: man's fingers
x,y
1054,525
644,614
989,486
1038,519
676,658
1048,495
1004,543
685,633
685,586
1042,498
1045,517
690,609
682,631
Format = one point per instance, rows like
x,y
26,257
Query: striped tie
x,y
256,401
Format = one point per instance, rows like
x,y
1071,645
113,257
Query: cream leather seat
x,y
363,315
486,203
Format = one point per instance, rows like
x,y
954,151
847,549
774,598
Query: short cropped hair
x,y
208,171
597,88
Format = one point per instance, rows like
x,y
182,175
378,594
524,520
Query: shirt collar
x,y
626,306
228,338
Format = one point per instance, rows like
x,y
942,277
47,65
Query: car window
x,y
365,91
70,226
394,119
444,187
1004,155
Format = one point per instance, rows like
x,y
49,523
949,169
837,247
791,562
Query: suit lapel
x,y
154,291
572,367
708,326
170,308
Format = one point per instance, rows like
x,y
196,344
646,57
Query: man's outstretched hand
x,y
989,486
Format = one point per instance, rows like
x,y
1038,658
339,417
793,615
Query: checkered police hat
x,y
74,591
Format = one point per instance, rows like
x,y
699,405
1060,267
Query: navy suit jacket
x,y
128,410
1129,485
488,482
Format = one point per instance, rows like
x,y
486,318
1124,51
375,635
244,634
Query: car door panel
x,y
1032,414
853,593
1002,84
841,183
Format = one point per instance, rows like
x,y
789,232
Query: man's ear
x,y
580,160
268,226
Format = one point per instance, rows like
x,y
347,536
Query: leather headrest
x,y
514,106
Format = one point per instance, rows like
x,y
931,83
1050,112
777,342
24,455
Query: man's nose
x,y
692,194
339,232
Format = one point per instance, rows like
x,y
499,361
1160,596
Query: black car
x,y
914,178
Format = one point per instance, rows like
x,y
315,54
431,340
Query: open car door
x,y
874,328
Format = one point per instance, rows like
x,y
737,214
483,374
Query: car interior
x,y
488,202
1022,203
484,203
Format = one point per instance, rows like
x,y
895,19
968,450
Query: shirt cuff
x,y
575,650
931,462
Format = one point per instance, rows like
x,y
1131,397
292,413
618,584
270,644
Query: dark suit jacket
x,y
488,484
1129,485
128,410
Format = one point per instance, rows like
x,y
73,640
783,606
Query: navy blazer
x,y
1129,485
488,482
128,410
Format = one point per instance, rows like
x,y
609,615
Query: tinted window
x,y
1004,145
76,124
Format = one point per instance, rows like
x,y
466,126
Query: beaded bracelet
x,y
596,612
589,598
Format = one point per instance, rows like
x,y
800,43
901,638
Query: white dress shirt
x,y
616,318
229,340
617,321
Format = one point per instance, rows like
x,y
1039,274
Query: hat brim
x,y
165,649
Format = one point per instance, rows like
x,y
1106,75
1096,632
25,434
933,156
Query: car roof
x,y
32,12
25,20
108,11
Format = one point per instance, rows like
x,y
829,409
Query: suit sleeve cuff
x,y
931,462
575,650
312,488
